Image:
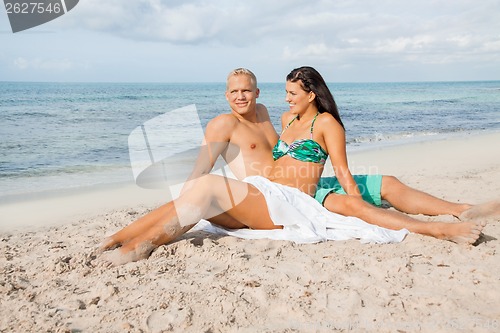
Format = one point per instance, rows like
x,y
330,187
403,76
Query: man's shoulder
x,y
262,112
221,126
223,120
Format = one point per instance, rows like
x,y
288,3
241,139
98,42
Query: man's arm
x,y
217,136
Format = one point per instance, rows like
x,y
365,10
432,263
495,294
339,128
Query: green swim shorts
x,y
369,186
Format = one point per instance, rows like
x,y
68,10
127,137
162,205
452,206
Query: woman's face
x,y
297,98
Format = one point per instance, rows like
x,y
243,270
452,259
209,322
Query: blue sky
x,y
200,41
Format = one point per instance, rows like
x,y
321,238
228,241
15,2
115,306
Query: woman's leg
x,y
409,200
212,194
464,232
412,201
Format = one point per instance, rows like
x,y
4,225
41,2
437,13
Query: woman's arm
x,y
334,137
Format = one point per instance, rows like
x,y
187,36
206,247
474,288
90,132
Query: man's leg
x,y
243,202
136,228
463,232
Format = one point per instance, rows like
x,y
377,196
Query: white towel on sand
x,y
305,220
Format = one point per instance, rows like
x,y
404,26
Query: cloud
x,y
311,51
272,36
428,32
384,27
194,21
152,20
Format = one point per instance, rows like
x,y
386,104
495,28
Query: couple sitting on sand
x,y
280,175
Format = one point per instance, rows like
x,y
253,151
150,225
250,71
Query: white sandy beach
x,y
51,280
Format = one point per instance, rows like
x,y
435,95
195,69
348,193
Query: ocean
x,y
57,136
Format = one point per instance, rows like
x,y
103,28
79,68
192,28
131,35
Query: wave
x,y
430,102
400,136
58,171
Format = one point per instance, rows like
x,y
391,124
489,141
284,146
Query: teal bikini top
x,y
305,150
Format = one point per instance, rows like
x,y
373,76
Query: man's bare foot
x,y
466,233
107,244
121,237
487,210
135,229
123,255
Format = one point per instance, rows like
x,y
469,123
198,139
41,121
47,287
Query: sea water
x,y
56,136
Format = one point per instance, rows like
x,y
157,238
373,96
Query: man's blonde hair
x,y
242,71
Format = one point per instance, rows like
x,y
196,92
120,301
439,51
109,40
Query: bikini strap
x,y
284,129
312,124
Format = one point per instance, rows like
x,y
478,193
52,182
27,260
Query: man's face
x,y
241,94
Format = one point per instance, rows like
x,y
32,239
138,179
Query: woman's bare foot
x,y
466,233
487,210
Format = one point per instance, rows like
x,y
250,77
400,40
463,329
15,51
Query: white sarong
x,y
305,220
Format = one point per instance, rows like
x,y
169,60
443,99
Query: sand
x,y
51,279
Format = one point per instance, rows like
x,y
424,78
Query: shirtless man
x,y
245,138
248,127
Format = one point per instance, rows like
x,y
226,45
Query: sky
x,y
201,41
